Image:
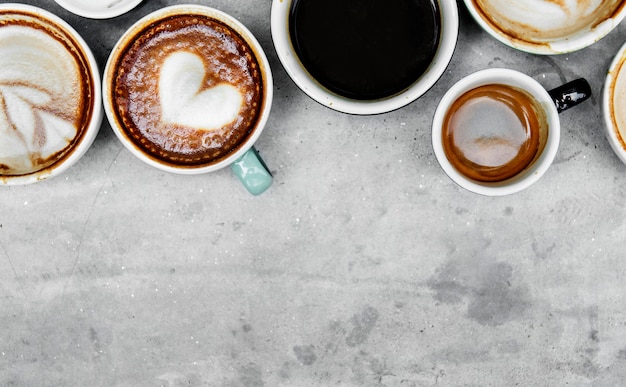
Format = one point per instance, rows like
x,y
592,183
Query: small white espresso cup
x,y
614,104
50,92
280,28
204,101
547,27
546,104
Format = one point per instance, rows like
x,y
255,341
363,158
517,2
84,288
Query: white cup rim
x,y
120,8
267,78
575,42
610,127
92,129
293,67
527,177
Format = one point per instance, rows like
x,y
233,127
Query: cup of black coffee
x,y
188,90
497,131
50,96
364,56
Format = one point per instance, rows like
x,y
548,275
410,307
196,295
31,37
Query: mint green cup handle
x,y
252,172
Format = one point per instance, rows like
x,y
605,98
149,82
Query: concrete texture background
x,y
363,265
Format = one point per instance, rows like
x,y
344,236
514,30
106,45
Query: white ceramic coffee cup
x,y
304,80
552,102
614,104
34,107
547,27
244,161
98,9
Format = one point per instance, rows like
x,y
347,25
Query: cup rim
x,y
250,39
617,143
529,176
119,9
566,45
91,131
293,67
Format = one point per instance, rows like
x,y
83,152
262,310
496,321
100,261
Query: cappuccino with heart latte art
x,y
187,90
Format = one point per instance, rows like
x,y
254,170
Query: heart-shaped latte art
x,y
185,102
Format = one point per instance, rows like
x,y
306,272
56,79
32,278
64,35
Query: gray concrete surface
x,y
364,265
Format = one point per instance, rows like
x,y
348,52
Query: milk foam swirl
x,y
546,19
40,99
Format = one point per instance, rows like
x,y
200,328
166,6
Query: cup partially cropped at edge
x,y
480,134
98,9
50,92
448,22
547,27
614,104
188,90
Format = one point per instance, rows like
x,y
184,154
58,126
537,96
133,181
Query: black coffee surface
x,y
365,49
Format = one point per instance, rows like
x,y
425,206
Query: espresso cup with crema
x,y
614,104
188,89
545,26
50,95
98,9
364,56
497,131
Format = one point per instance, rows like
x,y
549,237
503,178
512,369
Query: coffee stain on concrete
x,y
250,375
493,297
449,285
305,354
495,300
362,325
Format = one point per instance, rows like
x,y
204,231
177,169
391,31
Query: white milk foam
x,y
39,95
547,19
185,103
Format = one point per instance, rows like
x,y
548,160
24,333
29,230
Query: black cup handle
x,y
570,94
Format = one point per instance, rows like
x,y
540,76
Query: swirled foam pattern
x,y
542,20
41,95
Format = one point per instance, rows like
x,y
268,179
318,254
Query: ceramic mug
x,y
188,89
364,57
614,104
497,131
50,93
547,27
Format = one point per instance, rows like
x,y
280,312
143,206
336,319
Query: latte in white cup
x,y
614,104
547,26
50,101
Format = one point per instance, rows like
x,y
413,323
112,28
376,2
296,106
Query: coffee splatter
x,y
496,300
250,375
363,324
448,286
493,298
305,354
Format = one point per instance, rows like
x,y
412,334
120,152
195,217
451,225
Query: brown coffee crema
x,y
227,61
539,22
493,132
46,93
617,101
